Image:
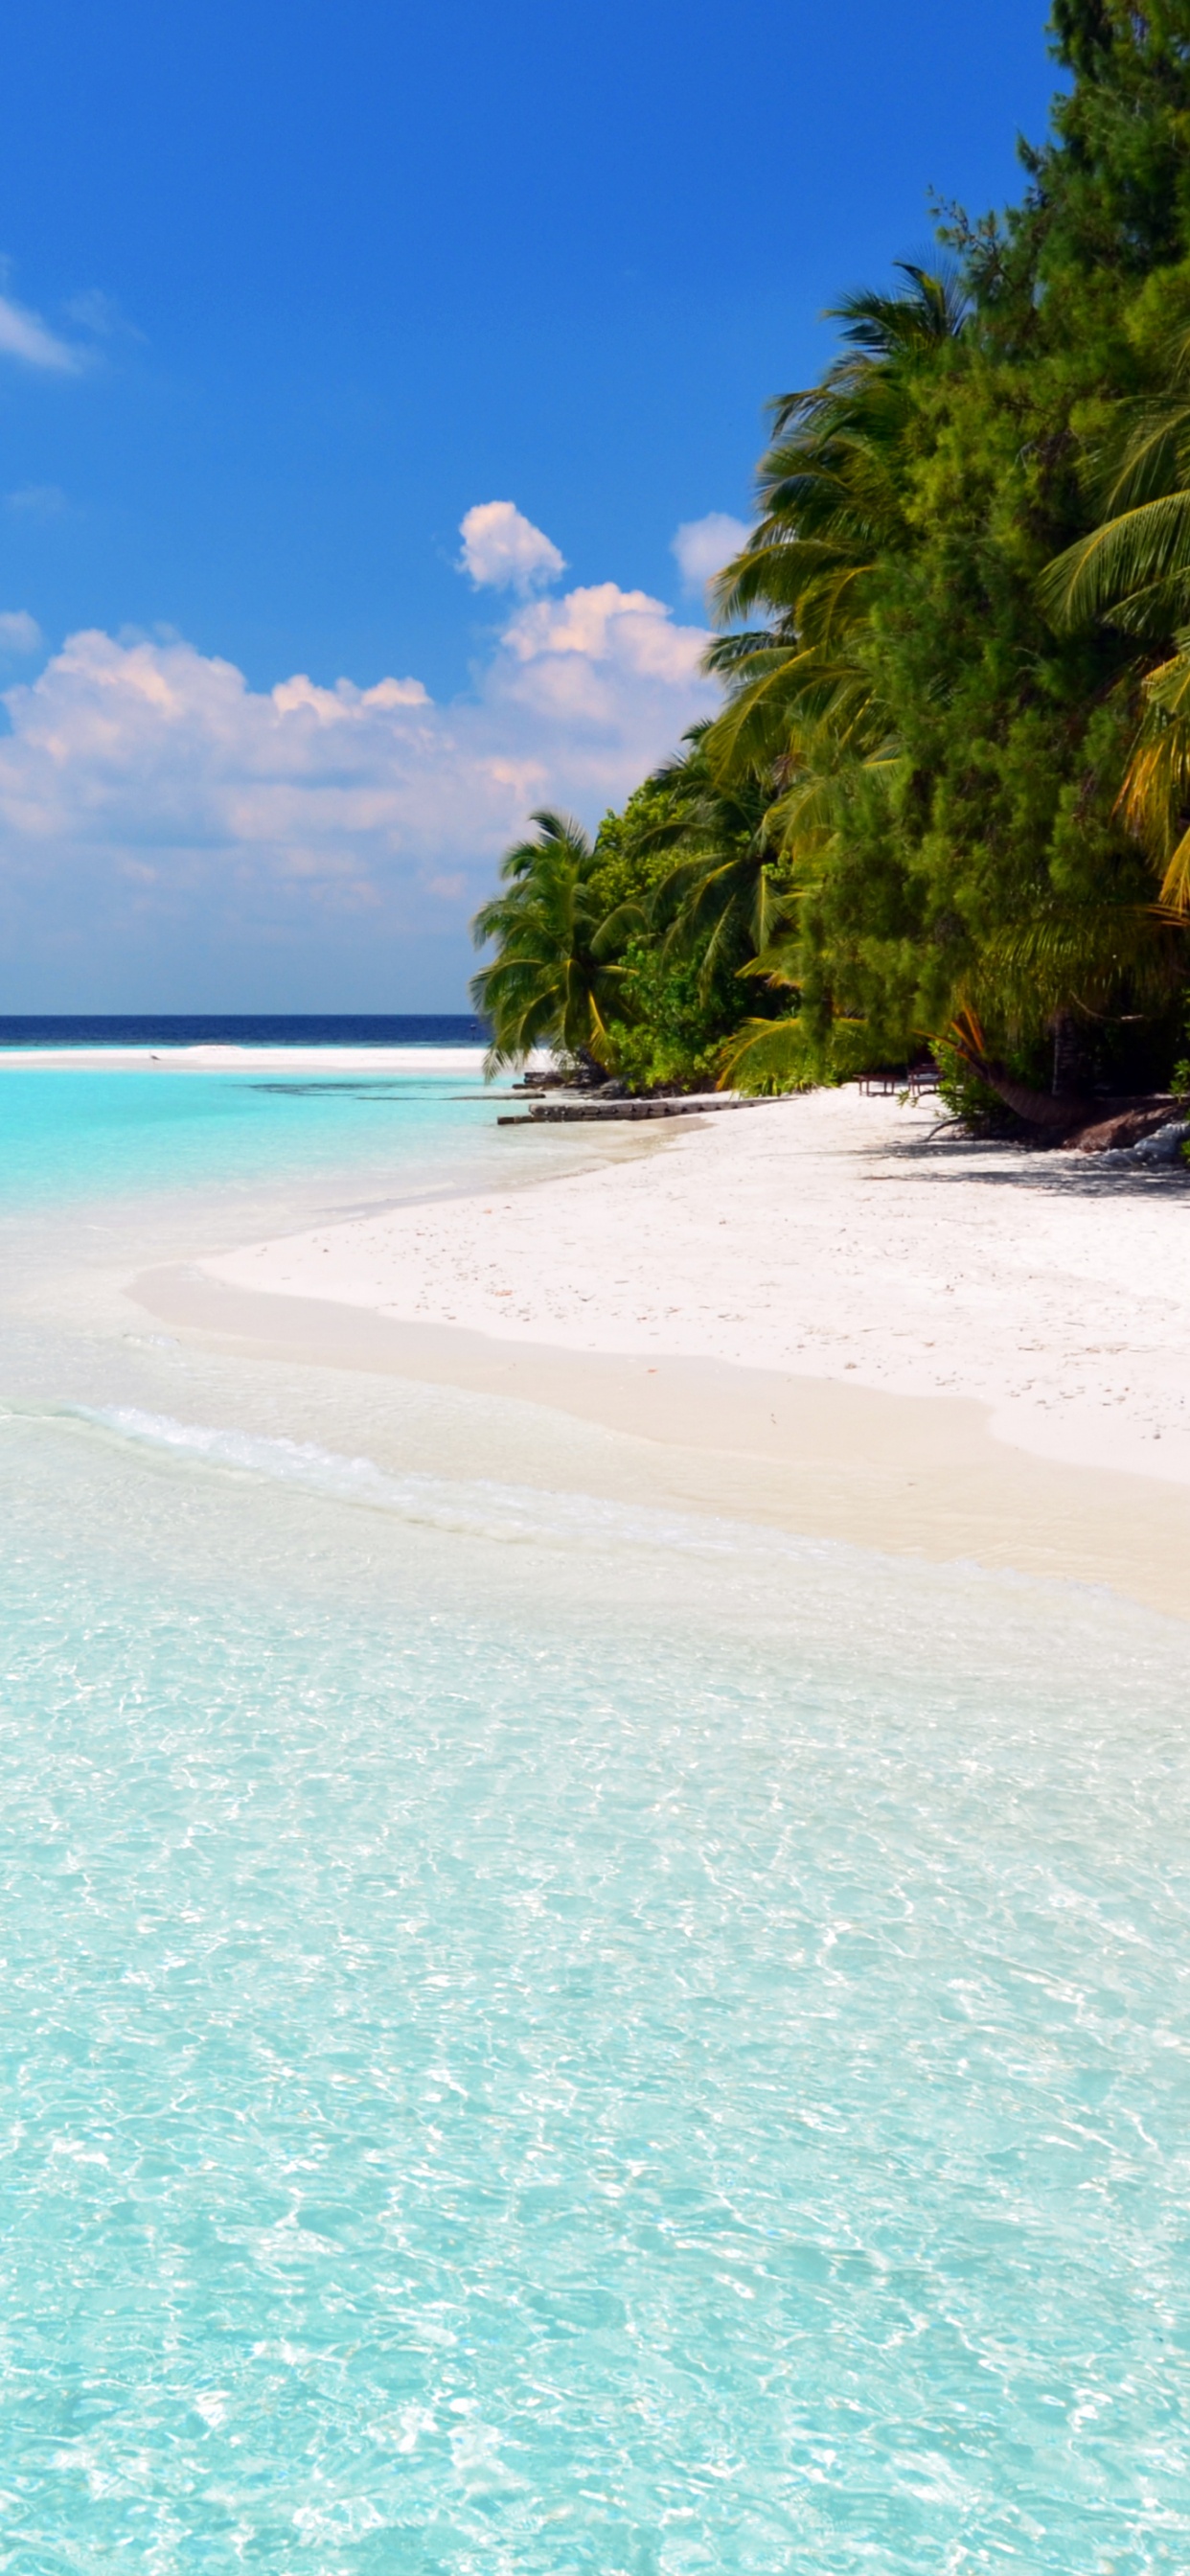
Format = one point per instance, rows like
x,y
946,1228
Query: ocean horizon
x,y
239,1028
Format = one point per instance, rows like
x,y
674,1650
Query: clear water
x,y
68,1136
540,2035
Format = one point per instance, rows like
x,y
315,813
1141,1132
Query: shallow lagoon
x,y
544,2037
70,1135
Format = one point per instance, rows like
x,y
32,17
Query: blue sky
x,y
290,291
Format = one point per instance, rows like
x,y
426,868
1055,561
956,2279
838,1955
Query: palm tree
x,y
831,492
554,980
1132,572
802,718
721,898
802,715
803,700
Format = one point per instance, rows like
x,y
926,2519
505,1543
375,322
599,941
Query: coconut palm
x,y
1084,959
1133,567
554,980
1132,571
831,490
720,898
802,714
760,790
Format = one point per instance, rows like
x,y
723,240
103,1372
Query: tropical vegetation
x,y
946,803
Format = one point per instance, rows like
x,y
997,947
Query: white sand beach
x,y
825,1237
853,1325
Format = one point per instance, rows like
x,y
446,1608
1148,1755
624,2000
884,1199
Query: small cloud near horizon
x,y
502,550
701,547
20,635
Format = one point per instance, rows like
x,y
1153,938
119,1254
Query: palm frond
x,y
1086,957
1155,797
1119,566
556,977
767,1055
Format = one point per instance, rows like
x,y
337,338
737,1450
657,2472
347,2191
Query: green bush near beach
x,y
945,804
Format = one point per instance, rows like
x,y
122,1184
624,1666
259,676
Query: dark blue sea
x,y
261,1028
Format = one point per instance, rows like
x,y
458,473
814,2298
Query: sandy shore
x,y
781,1289
826,1238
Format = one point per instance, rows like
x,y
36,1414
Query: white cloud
x,y
502,550
167,831
100,314
37,501
20,634
703,546
24,335
579,640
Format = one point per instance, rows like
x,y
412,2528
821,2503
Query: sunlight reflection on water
x,y
543,2035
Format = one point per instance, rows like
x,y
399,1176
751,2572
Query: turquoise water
x,y
69,1136
547,2036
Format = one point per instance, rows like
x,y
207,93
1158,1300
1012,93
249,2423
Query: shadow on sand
x,y
1055,1169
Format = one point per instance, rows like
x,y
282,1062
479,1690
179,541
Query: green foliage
x,y
955,821
555,980
766,1056
632,851
968,1097
952,771
694,862
677,1021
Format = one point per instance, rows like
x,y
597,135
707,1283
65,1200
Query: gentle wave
x,y
478,1507
461,1062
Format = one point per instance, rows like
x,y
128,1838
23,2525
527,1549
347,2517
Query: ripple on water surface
x,y
658,2052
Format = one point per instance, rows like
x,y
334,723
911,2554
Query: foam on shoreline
x,y
466,1061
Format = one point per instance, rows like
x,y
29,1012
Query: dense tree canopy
x,y
947,801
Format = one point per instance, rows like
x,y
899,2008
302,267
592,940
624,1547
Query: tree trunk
x,y
1068,1054
1037,1108
1040,1108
